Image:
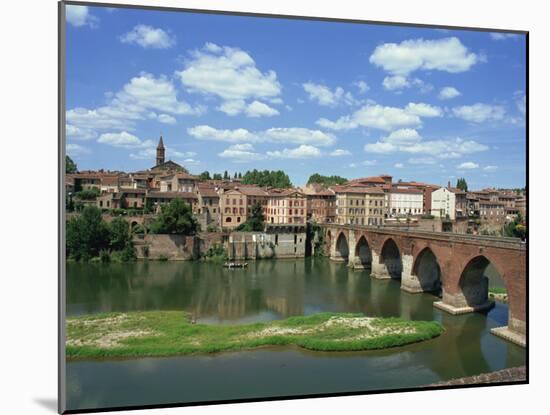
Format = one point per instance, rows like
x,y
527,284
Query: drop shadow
x,y
48,403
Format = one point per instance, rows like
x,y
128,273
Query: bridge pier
x,y
409,282
379,270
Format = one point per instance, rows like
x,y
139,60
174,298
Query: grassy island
x,y
169,333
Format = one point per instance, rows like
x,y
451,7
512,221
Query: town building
x,y
156,199
443,204
286,206
321,203
208,212
178,182
406,201
236,204
358,205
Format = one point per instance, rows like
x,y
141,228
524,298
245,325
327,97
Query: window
x,y
228,219
238,219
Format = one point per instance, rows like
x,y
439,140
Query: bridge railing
x,y
517,242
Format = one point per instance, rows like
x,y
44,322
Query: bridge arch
x,y
390,258
427,271
474,284
342,247
363,254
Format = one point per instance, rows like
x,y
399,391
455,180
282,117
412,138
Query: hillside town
x,y
222,204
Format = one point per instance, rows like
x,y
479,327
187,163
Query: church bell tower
x,y
160,152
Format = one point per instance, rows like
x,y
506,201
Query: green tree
x,y
86,234
225,175
517,228
461,184
205,175
175,217
326,180
275,178
217,176
240,175
120,234
235,175
255,223
70,165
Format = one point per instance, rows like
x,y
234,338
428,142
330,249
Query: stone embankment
x,y
513,374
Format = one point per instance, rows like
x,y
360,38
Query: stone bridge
x,y
447,264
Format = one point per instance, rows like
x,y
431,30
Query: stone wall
x,y
258,245
171,247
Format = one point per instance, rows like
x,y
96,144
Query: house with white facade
x,y
443,203
405,201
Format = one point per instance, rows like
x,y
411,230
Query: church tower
x,y
160,152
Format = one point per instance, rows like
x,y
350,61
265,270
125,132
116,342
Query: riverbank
x,y
169,333
513,374
498,294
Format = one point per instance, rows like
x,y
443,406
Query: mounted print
x,y
257,206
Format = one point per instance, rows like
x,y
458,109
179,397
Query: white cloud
x,y
205,132
123,139
144,154
148,37
447,54
468,165
362,85
403,136
241,153
442,149
230,74
180,154
79,16
374,116
259,109
135,101
422,160
233,107
301,152
398,165
75,133
339,152
490,168
479,112
423,110
448,92
369,163
323,95
166,119
521,104
502,36
391,83
76,149
299,136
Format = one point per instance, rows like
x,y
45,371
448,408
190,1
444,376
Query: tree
x,y
517,228
255,223
70,165
326,180
240,175
175,218
275,178
120,234
87,234
217,176
205,175
461,184
235,175
225,175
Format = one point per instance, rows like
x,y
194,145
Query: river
x,y
269,290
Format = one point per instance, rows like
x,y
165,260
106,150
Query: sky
x,y
239,93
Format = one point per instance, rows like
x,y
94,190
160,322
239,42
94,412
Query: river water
x,y
269,290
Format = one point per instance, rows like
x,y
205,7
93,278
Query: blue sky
x,y
237,93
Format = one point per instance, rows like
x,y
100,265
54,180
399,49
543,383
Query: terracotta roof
x,y
491,203
456,190
285,192
207,191
251,190
374,179
358,189
406,190
109,180
171,195
131,190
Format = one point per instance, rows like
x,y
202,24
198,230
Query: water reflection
x,y
269,290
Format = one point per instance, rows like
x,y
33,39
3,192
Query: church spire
x,y
160,152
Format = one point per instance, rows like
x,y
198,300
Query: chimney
x,y
449,184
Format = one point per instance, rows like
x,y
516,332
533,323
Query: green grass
x,y
497,290
169,333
